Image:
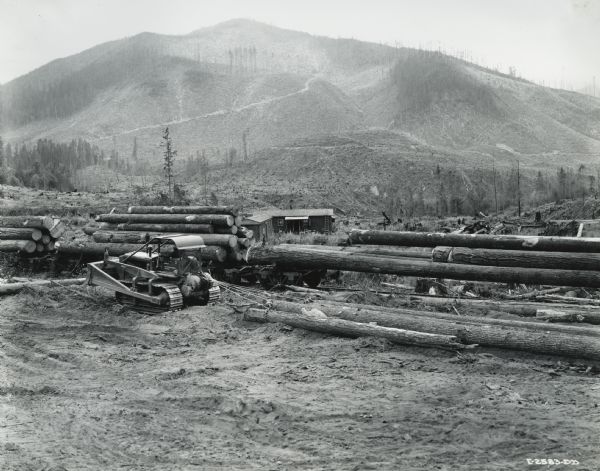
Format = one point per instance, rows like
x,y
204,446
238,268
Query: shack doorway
x,y
296,224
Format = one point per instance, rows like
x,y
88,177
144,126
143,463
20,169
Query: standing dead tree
x,y
169,160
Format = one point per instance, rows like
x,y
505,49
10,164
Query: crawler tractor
x,y
165,274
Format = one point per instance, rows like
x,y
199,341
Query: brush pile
x,y
29,235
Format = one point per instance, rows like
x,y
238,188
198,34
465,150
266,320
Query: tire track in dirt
x,y
202,389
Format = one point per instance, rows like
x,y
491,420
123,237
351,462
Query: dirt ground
x,y
87,385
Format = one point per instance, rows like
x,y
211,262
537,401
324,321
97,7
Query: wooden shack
x,y
262,226
302,220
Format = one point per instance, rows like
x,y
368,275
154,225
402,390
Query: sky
x,y
556,42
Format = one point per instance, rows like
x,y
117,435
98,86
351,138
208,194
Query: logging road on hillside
x,y
221,112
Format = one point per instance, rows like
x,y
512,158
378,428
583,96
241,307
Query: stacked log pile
x,y
218,228
29,235
558,261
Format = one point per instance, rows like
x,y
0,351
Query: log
x,y
527,309
12,288
169,228
238,220
50,246
226,230
212,253
89,230
45,239
222,240
215,219
236,255
550,342
245,232
264,255
538,325
40,247
243,242
517,258
106,237
96,250
20,233
353,329
36,222
183,210
533,294
90,249
481,241
26,246
552,315
570,300
382,250
57,229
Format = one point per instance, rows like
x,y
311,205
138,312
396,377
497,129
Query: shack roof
x,y
257,218
303,212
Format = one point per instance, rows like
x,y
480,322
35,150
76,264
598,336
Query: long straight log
x,y
27,246
517,258
536,324
40,247
353,329
546,342
215,219
222,240
37,222
171,228
406,267
12,288
20,233
96,250
183,210
45,239
382,250
480,241
106,237
90,249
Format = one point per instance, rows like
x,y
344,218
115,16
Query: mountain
x,y
274,86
